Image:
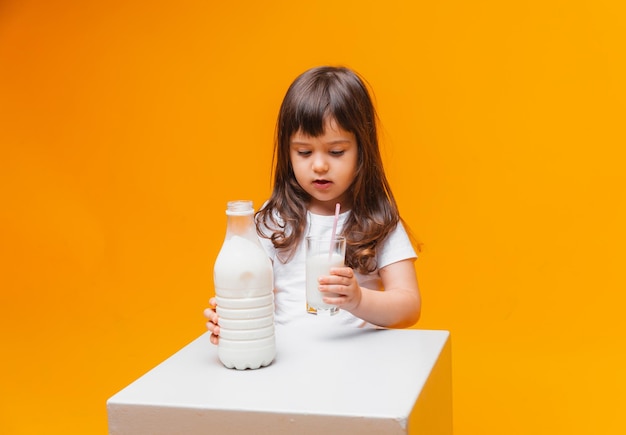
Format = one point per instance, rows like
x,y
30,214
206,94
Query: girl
x,y
326,152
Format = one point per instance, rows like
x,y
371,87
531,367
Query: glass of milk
x,y
321,255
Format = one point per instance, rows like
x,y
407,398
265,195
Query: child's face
x,y
325,166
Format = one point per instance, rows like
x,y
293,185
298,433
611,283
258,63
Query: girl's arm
x,y
398,306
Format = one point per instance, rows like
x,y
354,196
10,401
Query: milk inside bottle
x,y
243,281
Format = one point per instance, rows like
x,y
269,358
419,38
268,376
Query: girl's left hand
x,y
341,288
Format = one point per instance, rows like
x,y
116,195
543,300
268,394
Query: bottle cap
x,y
239,208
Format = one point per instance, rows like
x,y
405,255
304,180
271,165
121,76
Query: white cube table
x,y
326,379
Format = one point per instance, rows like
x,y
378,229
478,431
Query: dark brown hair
x,y
316,95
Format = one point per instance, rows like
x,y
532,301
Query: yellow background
x,y
126,125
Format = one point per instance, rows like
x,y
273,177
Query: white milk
x,y
244,283
317,265
243,266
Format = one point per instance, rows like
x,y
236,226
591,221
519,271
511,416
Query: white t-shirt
x,y
289,277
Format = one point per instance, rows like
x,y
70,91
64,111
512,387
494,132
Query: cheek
x,y
297,172
351,169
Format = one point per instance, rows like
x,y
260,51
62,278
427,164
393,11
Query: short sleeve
x,y
397,247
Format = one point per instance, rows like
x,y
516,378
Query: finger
x,y
332,280
333,292
213,302
213,318
335,299
210,315
344,272
213,328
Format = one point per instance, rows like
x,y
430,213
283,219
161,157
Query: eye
x,y
337,153
304,153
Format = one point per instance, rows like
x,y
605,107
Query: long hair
x,y
315,96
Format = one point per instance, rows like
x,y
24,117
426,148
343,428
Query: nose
x,y
320,165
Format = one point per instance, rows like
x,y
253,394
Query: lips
x,y
322,184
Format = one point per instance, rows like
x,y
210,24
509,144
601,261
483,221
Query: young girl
x,y
326,152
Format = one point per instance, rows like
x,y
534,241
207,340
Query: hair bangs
x,y
309,113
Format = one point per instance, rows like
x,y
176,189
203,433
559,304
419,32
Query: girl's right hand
x,y
212,324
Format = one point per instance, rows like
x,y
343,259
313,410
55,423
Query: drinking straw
x,y
334,233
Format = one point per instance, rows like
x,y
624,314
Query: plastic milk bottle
x,y
244,283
